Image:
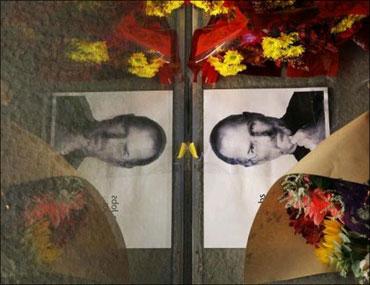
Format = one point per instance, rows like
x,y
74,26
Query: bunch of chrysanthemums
x,y
258,37
255,37
332,215
140,42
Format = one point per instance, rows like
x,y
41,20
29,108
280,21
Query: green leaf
x,y
321,182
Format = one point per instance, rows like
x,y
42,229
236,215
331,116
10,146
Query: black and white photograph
x,y
123,147
123,141
252,137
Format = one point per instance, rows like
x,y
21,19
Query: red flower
x,y
320,206
306,227
56,211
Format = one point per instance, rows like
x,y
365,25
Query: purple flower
x,y
356,202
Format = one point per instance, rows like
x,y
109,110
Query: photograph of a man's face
x,y
126,141
251,138
121,142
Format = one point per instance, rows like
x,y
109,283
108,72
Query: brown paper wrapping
x,y
97,253
26,158
273,251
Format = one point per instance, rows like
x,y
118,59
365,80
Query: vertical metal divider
x,y
181,198
197,171
188,124
187,201
177,229
197,185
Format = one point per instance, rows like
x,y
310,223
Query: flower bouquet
x,y
54,224
265,36
59,226
98,40
140,43
311,222
333,216
153,48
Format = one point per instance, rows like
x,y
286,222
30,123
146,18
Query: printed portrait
x,y
125,141
121,142
251,138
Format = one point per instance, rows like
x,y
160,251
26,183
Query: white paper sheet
x,y
139,197
232,192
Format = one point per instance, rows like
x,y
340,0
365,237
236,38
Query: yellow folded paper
x,y
185,147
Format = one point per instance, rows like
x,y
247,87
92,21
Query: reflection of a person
x,y
251,138
124,141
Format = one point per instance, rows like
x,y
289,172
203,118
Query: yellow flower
x,y
83,51
231,64
162,8
346,23
39,237
329,248
294,51
140,66
233,57
282,47
213,8
138,59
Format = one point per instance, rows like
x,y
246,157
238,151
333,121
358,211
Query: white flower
x,y
364,266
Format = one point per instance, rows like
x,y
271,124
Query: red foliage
x,y
219,31
337,8
325,63
362,37
250,21
137,31
153,37
167,73
209,74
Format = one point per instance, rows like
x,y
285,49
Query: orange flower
x,y
320,206
53,208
